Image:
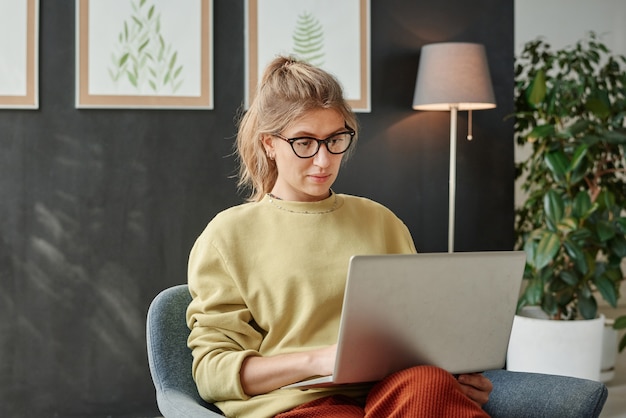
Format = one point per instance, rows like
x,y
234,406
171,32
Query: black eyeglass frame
x,y
350,132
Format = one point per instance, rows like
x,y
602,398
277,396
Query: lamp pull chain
x,y
469,126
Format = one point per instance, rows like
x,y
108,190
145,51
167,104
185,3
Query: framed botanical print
x,y
334,35
144,54
19,49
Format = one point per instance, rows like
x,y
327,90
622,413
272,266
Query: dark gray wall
x,y
99,208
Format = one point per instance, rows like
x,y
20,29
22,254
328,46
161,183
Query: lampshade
x,y
453,74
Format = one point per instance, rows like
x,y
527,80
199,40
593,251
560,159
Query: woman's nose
x,y
322,158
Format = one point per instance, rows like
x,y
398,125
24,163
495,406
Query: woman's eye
x,y
303,143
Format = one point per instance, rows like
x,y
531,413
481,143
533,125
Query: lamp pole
x,y
452,177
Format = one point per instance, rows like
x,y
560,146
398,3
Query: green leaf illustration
x,y
142,56
308,39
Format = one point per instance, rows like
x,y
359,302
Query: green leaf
x,y
606,199
177,72
553,206
536,91
599,104
112,74
132,78
579,172
546,249
123,59
581,125
550,305
145,44
137,22
557,163
579,156
581,205
587,306
533,292
530,247
607,290
580,235
615,137
620,323
618,246
577,254
615,274
566,225
591,139
541,131
173,60
569,277
547,274
605,230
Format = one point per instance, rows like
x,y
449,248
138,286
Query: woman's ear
x,y
268,144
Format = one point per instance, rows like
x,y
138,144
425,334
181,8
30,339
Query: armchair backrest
x,y
170,359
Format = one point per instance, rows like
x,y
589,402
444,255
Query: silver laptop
x,y
454,311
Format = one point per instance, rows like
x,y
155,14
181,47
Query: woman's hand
x,y
264,374
325,358
476,387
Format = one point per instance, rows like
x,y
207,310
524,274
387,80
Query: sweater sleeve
x,y
222,328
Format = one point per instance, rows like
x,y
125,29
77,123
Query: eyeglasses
x,y
307,147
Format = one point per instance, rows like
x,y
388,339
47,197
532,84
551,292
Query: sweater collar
x,y
327,205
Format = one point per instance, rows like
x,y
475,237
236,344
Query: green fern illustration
x,y
308,39
142,56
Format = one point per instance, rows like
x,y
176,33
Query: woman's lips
x,y
319,178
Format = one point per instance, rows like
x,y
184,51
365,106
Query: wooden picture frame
x,y
19,49
144,54
337,39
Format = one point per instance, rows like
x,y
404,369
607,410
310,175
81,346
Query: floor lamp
x,y
453,76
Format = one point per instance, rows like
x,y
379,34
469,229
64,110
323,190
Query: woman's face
x,y
306,179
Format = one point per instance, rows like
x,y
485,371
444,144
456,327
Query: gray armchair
x,y
170,359
514,394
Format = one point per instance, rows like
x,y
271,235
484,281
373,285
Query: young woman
x,y
267,277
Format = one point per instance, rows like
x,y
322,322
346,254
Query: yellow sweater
x,y
268,278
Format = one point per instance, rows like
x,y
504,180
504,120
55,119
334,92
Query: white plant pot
x,y
566,348
609,351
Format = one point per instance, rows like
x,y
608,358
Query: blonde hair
x,y
288,89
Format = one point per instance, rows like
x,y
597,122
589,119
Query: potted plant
x,y
570,106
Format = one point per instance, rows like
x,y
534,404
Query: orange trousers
x,y
421,391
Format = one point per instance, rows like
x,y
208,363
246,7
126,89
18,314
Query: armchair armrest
x,y
524,395
178,404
